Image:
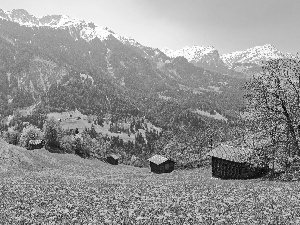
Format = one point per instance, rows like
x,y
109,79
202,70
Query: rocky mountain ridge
x,y
207,57
253,55
247,61
86,30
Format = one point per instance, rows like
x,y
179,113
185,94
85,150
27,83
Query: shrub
x,y
11,137
99,147
30,132
138,163
53,133
83,144
68,144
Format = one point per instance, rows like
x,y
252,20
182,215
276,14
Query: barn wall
x,y
112,161
161,168
154,168
172,166
33,146
233,170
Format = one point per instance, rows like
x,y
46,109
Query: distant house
x,y
113,159
35,144
161,164
133,158
230,162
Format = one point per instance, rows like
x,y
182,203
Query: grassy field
x,y
82,123
72,122
38,187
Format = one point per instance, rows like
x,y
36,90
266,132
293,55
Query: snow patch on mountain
x,y
216,115
169,52
193,53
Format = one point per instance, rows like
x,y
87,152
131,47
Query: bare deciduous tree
x,y
273,100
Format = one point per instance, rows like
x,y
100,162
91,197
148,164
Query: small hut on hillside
x,y
113,159
35,144
160,164
229,162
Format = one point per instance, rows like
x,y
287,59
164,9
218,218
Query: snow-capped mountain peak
x,y
57,21
253,55
87,30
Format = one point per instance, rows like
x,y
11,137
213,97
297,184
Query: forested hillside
x,y
61,71
33,59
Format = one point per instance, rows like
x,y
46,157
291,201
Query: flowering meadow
x,y
54,188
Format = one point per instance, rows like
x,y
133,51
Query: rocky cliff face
x,y
206,57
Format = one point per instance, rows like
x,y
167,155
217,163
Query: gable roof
x,y
34,142
158,159
114,156
231,153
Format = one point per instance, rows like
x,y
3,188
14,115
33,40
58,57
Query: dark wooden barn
x,y
35,144
229,162
160,164
113,159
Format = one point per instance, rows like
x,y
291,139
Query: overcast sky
x,y
228,25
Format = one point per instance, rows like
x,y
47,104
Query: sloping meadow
x,y
71,190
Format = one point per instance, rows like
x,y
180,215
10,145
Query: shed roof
x,y
34,142
114,156
158,159
231,153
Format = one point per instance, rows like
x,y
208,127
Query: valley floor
x,y
65,189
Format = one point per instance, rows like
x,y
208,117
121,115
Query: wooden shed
x,y
231,162
113,159
161,164
35,144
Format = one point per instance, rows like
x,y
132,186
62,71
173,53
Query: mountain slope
x,y
71,64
